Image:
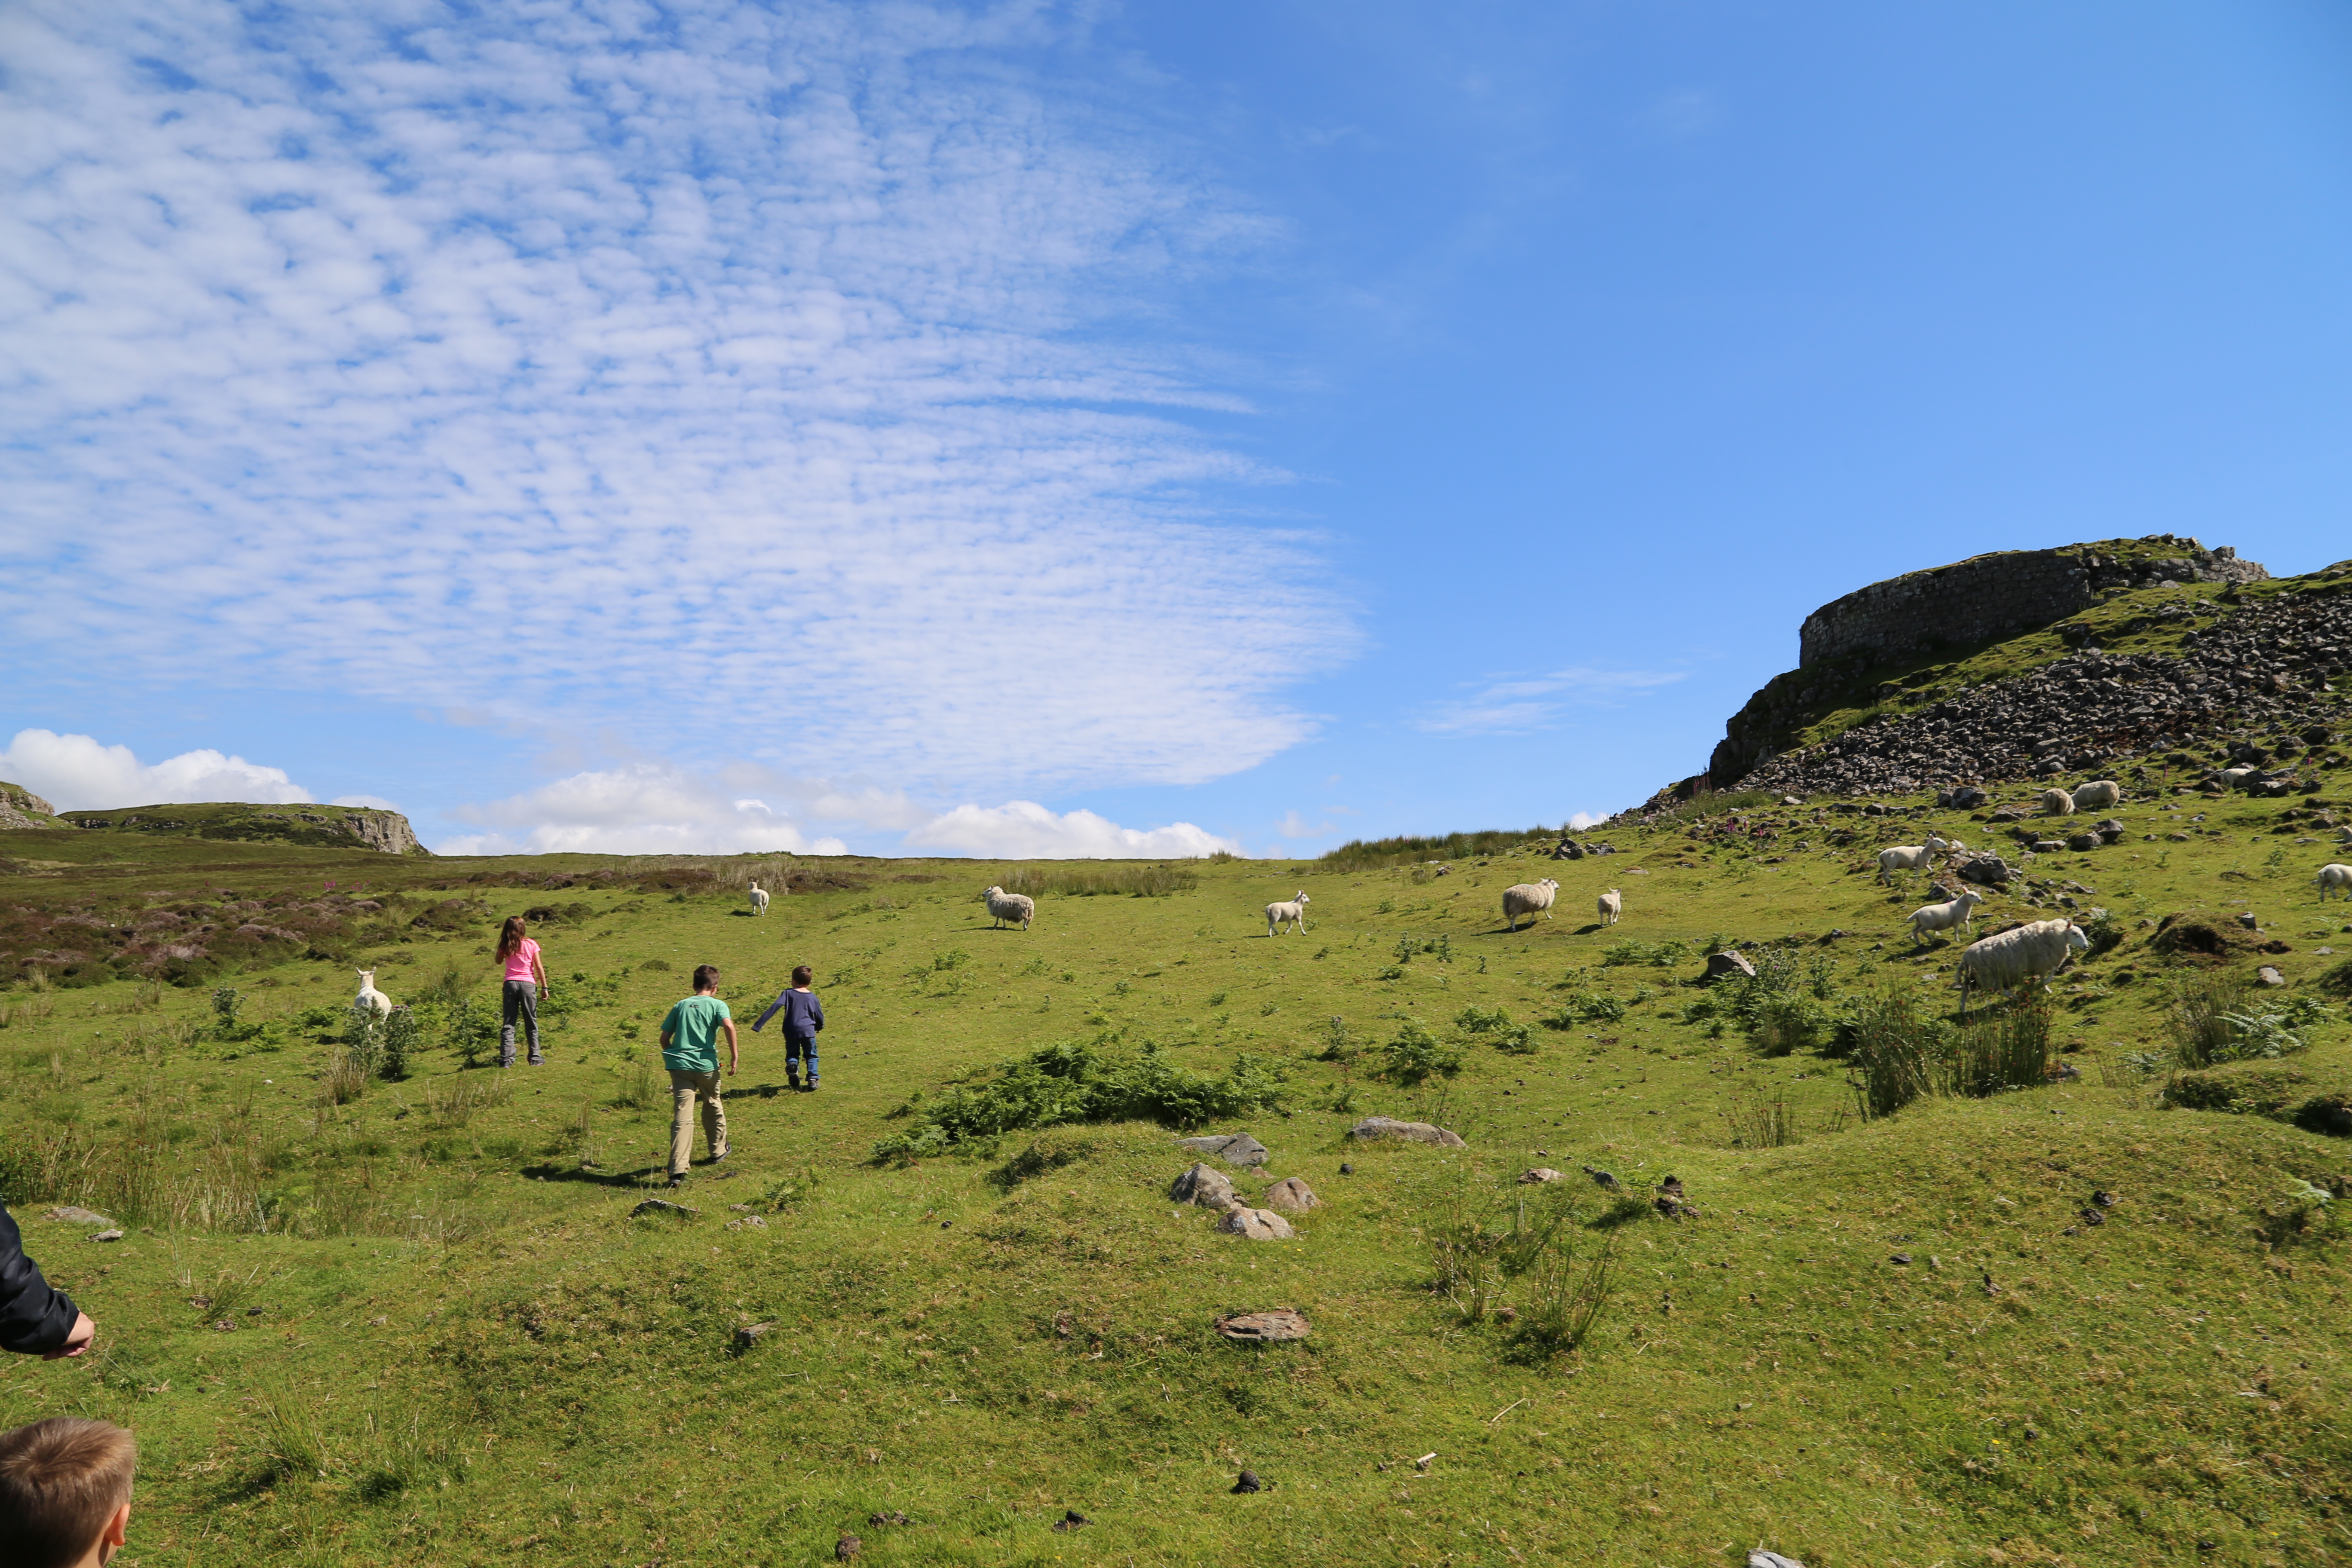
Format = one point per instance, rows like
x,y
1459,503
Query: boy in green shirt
x,y
690,1043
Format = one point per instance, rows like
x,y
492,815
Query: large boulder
x,y
1292,1196
1986,870
1233,1148
1202,1184
1728,965
1255,1224
1265,1328
1411,1132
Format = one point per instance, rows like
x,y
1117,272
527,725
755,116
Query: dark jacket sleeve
x,y
771,1013
34,1318
817,1014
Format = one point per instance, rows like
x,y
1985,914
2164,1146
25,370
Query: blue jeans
x,y
795,1049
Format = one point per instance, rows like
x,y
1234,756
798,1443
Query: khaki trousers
x,y
685,1089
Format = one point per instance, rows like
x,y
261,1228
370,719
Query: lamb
x,y
1959,911
2018,957
370,998
1909,857
1613,907
1294,913
1004,906
759,900
1529,899
2057,803
2338,878
2098,793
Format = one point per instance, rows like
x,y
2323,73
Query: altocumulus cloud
x,y
75,772
768,381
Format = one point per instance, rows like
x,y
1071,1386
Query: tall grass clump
x,y
1098,880
1069,1082
1756,1122
1896,1052
2007,1049
2198,1018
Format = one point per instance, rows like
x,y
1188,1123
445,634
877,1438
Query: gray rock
x,y
2248,920
1292,1196
1760,1558
1411,1132
1255,1224
2082,842
1265,1328
69,1215
1540,1173
2266,974
750,1334
1233,1148
749,1222
108,1235
1202,1184
663,1206
1987,870
1728,965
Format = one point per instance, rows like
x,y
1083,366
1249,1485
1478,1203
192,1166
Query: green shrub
x,y
1067,1083
2009,1048
1480,1020
2256,1089
1515,1040
1791,1021
1098,881
1416,1053
401,1036
1896,1052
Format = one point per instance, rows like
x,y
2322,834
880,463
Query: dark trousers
x,y
795,1050
521,997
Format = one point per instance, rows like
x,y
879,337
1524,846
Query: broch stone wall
x,y
1997,595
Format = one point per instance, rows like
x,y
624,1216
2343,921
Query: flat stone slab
x,y
1540,1173
1233,1148
1203,1185
1255,1224
1411,1132
1266,1328
1292,1196
69,1215
663,1205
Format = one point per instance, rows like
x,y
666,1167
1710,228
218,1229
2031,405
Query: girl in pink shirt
x,y
524,982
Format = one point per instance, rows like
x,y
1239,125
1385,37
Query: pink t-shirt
x,y
518,966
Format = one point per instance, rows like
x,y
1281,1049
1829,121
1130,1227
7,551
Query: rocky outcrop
x,y
20,808
320,826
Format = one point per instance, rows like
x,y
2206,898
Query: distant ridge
x,y
320,826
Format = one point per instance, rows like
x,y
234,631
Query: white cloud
x,y
1294,826
1517,707
75,772
1024,830
1584,819
694,372
643,810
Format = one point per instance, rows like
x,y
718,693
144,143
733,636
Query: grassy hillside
x,y
421,1325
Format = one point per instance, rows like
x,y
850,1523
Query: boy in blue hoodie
x,y
804,1017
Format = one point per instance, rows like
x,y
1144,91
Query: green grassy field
x,y
421,1326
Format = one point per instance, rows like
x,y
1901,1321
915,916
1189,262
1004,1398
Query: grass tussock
x,y
1372,855
1108,880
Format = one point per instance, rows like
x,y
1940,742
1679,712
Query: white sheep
x,y
1528,898
370,996
2098,793
1004,906
759,900
1959,911
2018,957
1292,914
2057,803
1909,857
2336,876
1613,907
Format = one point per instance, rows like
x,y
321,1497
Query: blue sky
x,y
1041,429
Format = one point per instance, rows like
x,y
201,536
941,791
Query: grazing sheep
x,y
2057,803
1528,898
1004,906
1959,911
1293,913
2018,957
759,900
2098,793
2337,877
370,996
1909,857
1613,907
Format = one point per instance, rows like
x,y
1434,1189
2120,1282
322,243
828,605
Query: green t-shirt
x,y
692,1026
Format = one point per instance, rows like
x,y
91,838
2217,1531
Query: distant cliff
x,y
20,808
320,826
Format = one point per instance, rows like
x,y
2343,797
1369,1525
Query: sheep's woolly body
x,y
2097,795
2013,958
1959,911
759,900
1613,907
1909,857
1528,898
369,996
1292,914
2057,803
2337,878
1004,906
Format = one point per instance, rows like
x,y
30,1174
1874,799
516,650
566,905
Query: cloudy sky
x,y
1095,430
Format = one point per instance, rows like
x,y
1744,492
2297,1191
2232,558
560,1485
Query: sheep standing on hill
x,y
1292,914
2015,958
1959,911
2337,878
370,996
1908,857
1528,898
759,900
1004,906
2097,794
1613,907
2057,803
